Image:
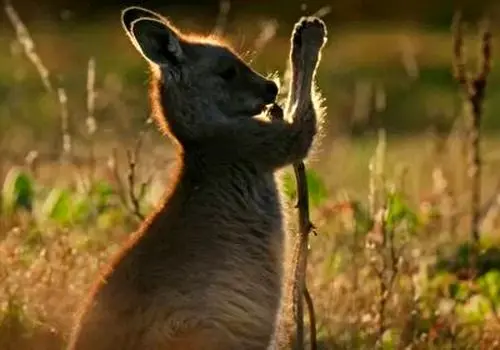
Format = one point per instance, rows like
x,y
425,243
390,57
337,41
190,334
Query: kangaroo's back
x,y
205,270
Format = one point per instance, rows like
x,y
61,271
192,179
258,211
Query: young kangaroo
x,y
205,270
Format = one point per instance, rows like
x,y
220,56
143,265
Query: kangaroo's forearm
x,y
300,97
270,145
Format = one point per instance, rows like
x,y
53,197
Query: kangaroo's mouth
x,y
275,111
257,109
265,107
260,109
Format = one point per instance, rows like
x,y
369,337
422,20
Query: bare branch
x,y
24,38
312,319
221,22
458,55
300,291
474,90
484,68
132,159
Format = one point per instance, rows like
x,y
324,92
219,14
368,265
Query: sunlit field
x,y
403,256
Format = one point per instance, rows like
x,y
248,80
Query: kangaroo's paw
x,y
309,36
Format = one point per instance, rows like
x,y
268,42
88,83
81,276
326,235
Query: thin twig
x,y
90,120
268,30
65,134
387,286
115,173
382,237
24,38
459,70
474,91
305,227
132,158
312,318
130,192
300,291
221,22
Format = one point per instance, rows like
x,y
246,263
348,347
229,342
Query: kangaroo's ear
x,y
156,41
130,14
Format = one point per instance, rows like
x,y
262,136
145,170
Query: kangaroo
x,y
205,270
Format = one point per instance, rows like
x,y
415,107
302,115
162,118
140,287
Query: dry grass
x,y
44,277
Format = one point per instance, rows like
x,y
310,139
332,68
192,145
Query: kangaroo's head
x,y
196,75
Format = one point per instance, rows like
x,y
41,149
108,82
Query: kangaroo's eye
x,y
229,73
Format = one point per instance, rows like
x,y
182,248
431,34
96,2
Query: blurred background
x,y
387,63
396,121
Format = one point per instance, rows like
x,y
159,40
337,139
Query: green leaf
x,y
490,285
17,191
475,310
57,206
316,187
110,218
333,263
464,254
364,221
396,207
399,212
81,209
390,339
441,282
103,188
100,193
459,291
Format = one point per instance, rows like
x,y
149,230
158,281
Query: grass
x,y
392,266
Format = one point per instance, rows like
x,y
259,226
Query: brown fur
x,y
205,270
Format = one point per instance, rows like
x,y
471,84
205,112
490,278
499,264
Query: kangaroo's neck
x,y
184,118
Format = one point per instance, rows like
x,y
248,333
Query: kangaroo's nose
x,y
271,91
